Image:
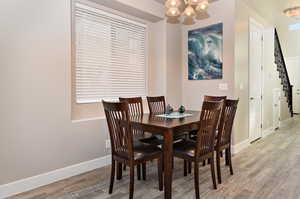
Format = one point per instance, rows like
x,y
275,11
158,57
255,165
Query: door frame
x,y
287,59
252,21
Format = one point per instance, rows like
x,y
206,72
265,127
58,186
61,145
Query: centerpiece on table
x,y
181,109
169,109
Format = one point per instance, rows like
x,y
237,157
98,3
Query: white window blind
x,y
110,55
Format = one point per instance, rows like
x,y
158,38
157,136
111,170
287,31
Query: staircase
x,y
283,74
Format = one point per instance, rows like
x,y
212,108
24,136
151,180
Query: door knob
x,y
251,98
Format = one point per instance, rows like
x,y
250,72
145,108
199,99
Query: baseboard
x,y
267,132
67,172
240,146
286,122
31,183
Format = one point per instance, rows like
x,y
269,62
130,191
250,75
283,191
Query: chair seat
x,y
186,149
154,140
145,151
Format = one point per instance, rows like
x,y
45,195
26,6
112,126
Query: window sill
x,y
88,119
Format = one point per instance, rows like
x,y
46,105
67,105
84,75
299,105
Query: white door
x,y
255,80
293,67
276,108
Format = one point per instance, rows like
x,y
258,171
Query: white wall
x,y
271,76
193,90
174,66
37,133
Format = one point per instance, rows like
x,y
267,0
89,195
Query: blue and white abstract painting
x,y
205,51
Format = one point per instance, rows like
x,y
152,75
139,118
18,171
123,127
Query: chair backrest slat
x,y
135,105
117,116
210,114
224,136
157,105
217,99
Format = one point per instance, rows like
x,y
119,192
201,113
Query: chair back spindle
x,y
117,116
157,105
208,124
217,99
135,105
224,136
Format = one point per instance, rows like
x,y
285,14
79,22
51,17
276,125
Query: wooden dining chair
x,y
217,98
213,98
157,105
124,149
224,136
203,148
135,105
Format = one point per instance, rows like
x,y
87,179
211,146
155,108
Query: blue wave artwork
x,y
205,51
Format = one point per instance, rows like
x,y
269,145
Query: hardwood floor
x,y
268,169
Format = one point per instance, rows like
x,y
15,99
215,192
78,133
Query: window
x,y
110,55
295,26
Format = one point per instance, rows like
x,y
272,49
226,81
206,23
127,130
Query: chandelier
x,y
187,8
293,10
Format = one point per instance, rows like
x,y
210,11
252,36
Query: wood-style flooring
x,y
268,169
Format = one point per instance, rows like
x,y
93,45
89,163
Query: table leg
x,y
168,158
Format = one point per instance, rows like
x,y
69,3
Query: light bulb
x,y
189,11
172,3
203,5
173,12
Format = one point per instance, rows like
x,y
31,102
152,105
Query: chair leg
x,y
112,176
119,171
138,169
131,185
189,167
124,168
213,175
144,170
184,168
196,179
160,173
218,167
208,161
230,161
226,157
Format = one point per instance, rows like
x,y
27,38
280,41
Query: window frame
x,y
122,16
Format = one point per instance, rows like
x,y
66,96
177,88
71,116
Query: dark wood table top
x,y
160,123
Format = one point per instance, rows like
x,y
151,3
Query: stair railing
x,y
283,73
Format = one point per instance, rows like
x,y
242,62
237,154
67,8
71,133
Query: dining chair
x,y
224,136
135,105
124,149
212,98
203,148
217,98
157,105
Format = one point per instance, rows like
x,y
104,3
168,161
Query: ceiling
x,y
265,7
268,8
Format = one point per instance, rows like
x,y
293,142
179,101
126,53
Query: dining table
x,y
167,128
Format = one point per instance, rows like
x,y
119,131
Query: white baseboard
x,y
286,122
240,146
60,174
31,183
267,132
